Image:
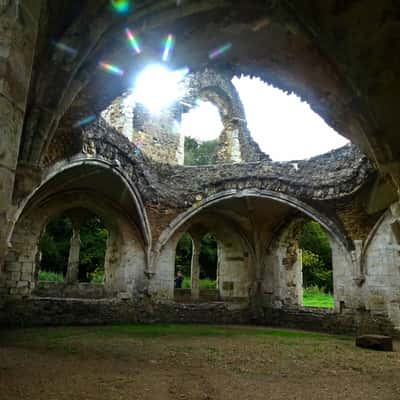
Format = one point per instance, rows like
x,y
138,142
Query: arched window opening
x,y
316,266
54,246
72,250
183,262
93,238
284,126
208,260
201,127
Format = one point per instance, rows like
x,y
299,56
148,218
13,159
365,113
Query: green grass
x,y
315,297
47,276
203,283
50,336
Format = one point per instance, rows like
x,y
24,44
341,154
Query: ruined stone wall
x,y
168,192
235,143
235,272
333,175
282,284
158,134
381,268
19,25
124,261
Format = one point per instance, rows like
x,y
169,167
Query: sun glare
x,y
157,87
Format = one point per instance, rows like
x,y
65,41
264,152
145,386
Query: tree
x,y
200,153
54,245
183,257
317,257
94,237
208,257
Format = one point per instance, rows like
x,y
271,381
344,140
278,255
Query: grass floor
x,y
196,362
315,297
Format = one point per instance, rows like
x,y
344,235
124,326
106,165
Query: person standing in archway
x,y
178,280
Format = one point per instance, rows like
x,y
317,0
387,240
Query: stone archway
x,y
74,186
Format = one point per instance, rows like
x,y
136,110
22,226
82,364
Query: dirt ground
x,y
191,362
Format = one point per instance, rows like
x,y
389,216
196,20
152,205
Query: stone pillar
x,y
19,21
195,268
73,258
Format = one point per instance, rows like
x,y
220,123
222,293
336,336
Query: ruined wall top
x,y
159,135
333,175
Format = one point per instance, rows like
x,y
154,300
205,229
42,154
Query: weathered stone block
x,y
14,276
375,342
11,123
14,266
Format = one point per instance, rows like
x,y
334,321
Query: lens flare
x,y
157,87
133,41
121,6
168,47
85,121
64,47
219,51
112,69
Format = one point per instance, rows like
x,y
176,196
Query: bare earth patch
x,y
191,362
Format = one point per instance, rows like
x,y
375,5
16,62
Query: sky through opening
x,y
284,126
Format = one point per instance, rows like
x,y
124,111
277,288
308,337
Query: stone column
x,y
19,21
195,268
73,258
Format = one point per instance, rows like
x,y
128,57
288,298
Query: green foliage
x,y
208,257
314,239
54,245
200,153
203,283
317,257
183,255
93,249
97,276
46,276
207,284
313,296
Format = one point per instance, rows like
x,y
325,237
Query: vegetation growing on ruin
x,y
200,153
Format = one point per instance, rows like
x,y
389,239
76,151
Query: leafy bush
x,y
48,276
200,153
97,276
94,237
207,284
183,256
208,257
203,283
317,257
54,245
